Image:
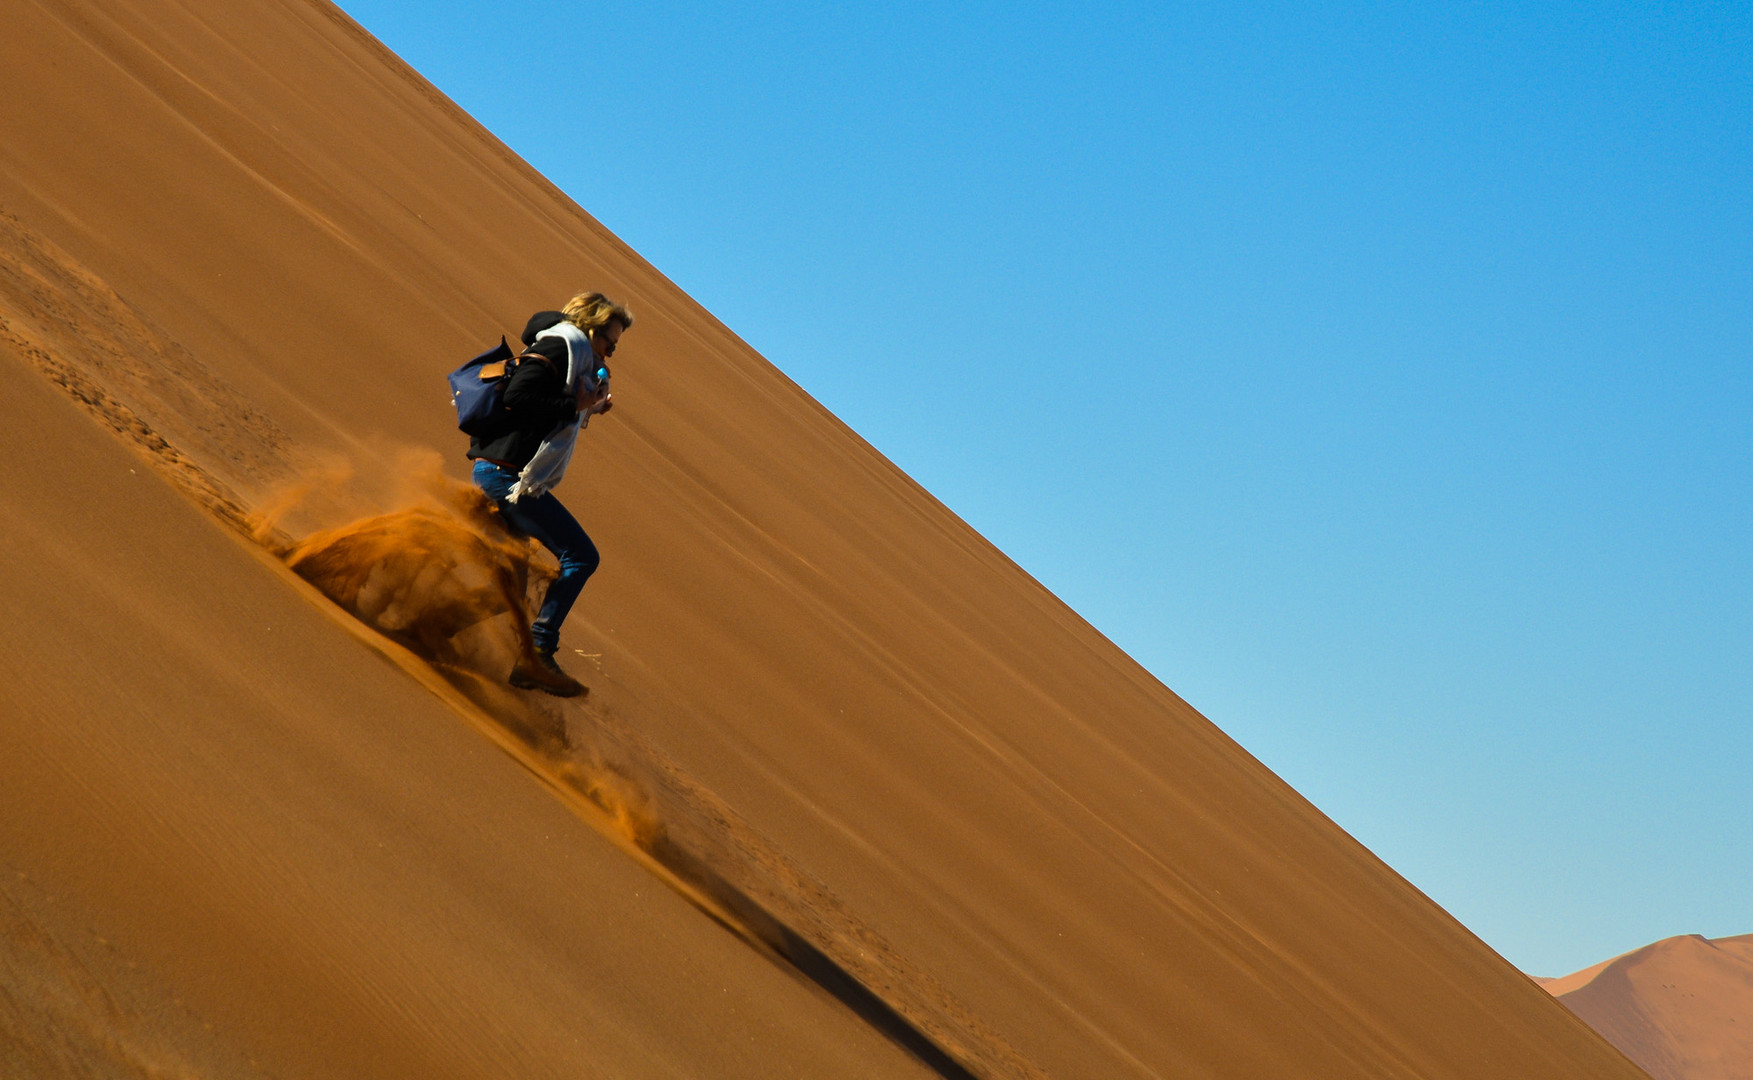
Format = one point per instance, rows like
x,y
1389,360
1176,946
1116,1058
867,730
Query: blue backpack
x,y
477,389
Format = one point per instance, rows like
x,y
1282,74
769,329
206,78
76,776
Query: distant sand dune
x,y
1682,1008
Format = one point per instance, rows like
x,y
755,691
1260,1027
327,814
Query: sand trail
x,y
234,840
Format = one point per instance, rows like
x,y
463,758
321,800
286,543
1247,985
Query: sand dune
x,y
852,795
1682,1008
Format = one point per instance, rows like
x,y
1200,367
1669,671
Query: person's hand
x,y
589,399
599,404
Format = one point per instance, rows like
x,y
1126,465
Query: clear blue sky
x,y
1378,375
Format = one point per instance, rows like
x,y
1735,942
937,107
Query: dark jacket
x,y
536,401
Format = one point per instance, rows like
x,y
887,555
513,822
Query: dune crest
x,y
1682,1008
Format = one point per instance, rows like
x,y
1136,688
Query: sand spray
x,y
424,560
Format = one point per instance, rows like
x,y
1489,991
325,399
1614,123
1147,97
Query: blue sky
x,y
1378,375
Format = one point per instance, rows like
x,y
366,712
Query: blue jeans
x,y
546,521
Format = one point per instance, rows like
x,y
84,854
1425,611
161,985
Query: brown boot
x,y
536,670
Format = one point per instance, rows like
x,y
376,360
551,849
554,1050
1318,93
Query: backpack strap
x,y
502,368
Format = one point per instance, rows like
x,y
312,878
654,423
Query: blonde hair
x,y
592,310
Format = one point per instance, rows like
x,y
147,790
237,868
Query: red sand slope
x,y
240,245
1682,1008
